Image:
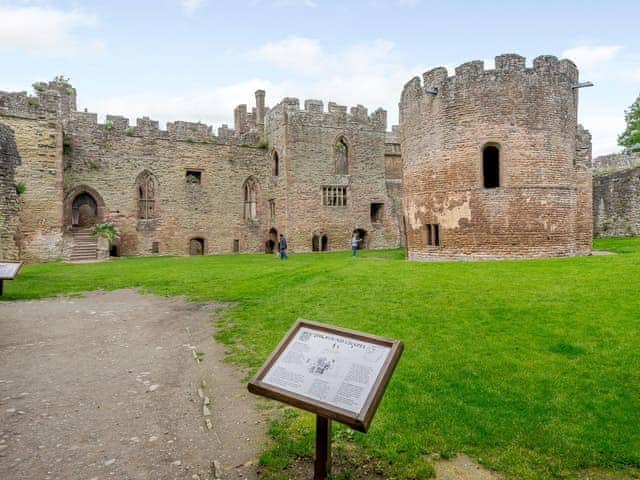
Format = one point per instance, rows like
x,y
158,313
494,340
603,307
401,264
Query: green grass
x,y
532,367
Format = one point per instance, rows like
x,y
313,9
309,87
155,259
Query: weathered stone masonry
x,y
185,190
495,165
616,203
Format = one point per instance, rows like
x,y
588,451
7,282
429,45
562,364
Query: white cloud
x,y
189,7
212,106
635,75
586,57
604,131
44,31
368,73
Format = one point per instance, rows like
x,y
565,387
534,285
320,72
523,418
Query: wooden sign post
x,y
336,373
8,271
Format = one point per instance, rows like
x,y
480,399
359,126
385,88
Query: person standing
x,y
282,247
354,243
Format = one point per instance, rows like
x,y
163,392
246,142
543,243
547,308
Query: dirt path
x,y
106,386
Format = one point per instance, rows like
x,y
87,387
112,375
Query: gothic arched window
x,y
147,190
250,189
342,156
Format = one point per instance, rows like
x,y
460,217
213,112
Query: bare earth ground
x,y
106,386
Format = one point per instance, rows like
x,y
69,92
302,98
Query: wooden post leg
x,y
323,448
1,284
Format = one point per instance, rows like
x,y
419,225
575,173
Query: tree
x,y
630,138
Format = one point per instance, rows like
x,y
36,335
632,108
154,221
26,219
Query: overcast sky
x,y
197,59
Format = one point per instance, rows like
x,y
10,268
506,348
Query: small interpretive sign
x,y
8,271
334,372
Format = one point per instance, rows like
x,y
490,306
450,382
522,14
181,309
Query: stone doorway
x,y
196,246
324,243
271,245
84,211
315,243
362,235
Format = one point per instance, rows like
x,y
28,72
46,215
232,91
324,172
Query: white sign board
x,y
336,373
329,368
8,271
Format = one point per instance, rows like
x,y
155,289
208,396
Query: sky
x,y
197,59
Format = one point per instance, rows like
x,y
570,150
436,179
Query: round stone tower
x,y
495,165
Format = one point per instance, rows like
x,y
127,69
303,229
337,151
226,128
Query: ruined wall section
x,y
309,139
616,203
37,132
108,159
9,206
393,177
616,161
584,192
530,114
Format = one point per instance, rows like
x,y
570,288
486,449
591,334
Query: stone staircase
x,y
85,245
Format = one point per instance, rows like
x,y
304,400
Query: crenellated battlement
x,y
545,68
289,107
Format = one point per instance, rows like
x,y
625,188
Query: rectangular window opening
x,y
236,246
334,196
155,247
433,234
193,177
377,210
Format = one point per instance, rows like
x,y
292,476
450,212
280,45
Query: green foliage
x,y
528,366
106,229
21,187
630,138
93,165
129,132
69,91
33,102
108,125
263,143
40,86
192,179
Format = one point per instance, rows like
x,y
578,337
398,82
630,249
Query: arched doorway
x,y
324,243
315,243
196,246
84,211
271,244
362,235
83,208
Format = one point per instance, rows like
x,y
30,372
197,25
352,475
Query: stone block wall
x,y
9,206
616,203
305,140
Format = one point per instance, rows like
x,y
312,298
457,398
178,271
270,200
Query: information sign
x,y
8,271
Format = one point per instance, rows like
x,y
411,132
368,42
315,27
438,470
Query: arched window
x,y
275,164
491,166
342,156
147,189
250,189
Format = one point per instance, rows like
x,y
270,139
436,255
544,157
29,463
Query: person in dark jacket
x,y
282,247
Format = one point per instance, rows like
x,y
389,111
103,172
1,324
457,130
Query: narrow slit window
x,y
491,166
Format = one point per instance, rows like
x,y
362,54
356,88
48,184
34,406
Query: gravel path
x,y
110,385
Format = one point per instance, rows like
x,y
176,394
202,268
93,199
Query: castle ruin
x,y
484,164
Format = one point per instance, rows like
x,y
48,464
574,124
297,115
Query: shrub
x,y
263,143
21,187
33,102
39,86
105,229
108,125
129,132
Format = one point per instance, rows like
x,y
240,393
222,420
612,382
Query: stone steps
x,y
85,245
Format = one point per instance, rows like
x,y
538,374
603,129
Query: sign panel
x,y
334,372
9,270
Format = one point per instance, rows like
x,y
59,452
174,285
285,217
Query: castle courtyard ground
x,y
527,367
106,385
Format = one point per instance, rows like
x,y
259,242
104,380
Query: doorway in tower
x,y
271,245
362,235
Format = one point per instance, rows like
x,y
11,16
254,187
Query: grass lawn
x,y
532,367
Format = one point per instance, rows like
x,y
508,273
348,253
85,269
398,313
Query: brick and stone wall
x,y
530,114
36,123
305,139
616,161
9,213
616,203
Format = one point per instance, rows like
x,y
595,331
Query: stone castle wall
x,y
616,161
616,203
541,207
305,140
35,122
107,161
9,213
